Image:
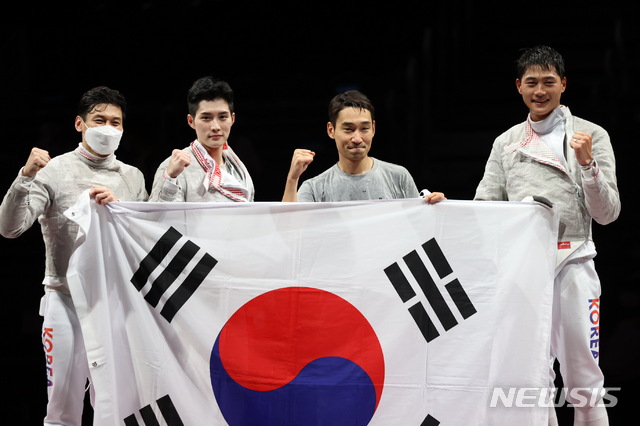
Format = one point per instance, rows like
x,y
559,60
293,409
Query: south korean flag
x,y
356,313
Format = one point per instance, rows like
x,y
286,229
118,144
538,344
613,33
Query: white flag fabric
x,y
392,312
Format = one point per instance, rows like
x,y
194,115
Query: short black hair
x,y
101,95
540,56
208,89
350,98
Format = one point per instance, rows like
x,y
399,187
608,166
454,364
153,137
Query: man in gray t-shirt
x,y
383,181
356,175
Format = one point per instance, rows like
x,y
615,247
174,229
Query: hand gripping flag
x,y
381,313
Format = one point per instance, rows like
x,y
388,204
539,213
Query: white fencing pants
x,y
67,367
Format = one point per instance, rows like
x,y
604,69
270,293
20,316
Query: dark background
x,y
441,75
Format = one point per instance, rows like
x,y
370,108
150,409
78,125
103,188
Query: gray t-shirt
x,y
383,181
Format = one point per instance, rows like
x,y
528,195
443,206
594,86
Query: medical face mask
x,y
103,140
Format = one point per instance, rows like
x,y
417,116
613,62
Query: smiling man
x,y
207,170
356,175
570,162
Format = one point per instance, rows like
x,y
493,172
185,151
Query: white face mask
x,y
103,140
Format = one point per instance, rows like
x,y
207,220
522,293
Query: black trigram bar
x,y
459,296
417,311
423,321
148,417
155,256
429,421
168,410
188,287
399,281
436,256
130,421
430,290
